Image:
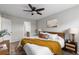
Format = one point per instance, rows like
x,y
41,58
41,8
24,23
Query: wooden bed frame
x,y
61,34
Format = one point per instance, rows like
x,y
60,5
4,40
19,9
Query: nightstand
x,y
71,46
4,47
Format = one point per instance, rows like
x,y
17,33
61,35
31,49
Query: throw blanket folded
x,y
52,45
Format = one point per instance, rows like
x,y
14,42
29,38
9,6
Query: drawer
x,y
69,48
71,45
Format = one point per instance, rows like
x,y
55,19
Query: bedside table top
x,y
71,42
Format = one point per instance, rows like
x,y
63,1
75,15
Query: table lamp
x,y
73,32
39,30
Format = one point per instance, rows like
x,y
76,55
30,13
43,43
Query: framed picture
x,y
52,23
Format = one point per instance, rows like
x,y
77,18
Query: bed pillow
x,y
53,36
45,36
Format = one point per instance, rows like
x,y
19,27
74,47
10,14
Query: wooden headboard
x,y
61,34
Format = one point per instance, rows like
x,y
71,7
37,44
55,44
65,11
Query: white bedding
x,y
55,37
60,40
32,49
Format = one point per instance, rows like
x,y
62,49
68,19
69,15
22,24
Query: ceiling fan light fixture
x,y
34,10
32,13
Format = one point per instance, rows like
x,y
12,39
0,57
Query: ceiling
x,y
17,10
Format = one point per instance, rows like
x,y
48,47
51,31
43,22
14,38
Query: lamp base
x,y
73,37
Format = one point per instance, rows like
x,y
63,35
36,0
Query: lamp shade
x,y
73,30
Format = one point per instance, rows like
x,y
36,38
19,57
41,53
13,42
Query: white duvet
x,y
32,49
59,40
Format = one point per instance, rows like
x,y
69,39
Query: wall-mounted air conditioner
x,y
52,23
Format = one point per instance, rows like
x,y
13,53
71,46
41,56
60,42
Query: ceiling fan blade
x,y
28,10
39,13
30,6
40,9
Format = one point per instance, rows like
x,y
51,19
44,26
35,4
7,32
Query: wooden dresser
x,y
71,46
5,50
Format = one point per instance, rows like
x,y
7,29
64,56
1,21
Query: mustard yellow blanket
x,y
52,45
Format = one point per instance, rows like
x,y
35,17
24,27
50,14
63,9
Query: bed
x,y
40,46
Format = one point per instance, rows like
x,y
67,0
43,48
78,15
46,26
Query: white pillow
x,y
44,33
53,36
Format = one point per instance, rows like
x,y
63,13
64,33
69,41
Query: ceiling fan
x,y
34,9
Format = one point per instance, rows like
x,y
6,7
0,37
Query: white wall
x,y
17,30
5,24
67,19
18,27
0,21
